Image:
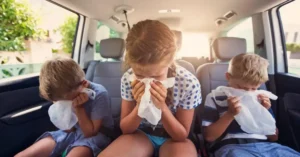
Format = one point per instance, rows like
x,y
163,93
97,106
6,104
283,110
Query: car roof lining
x,y
195,15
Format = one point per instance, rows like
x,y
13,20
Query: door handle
x,y
24,115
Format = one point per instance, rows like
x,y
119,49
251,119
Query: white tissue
x,y
61,112
253,117
147,109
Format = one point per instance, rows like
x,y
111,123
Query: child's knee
x,y
21,154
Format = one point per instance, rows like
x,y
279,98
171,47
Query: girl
x,y
151,48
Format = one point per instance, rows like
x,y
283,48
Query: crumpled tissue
x,y
253,117
61,112
147,109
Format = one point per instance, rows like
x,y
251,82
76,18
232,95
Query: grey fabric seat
x,y
187,65
212,75
109,73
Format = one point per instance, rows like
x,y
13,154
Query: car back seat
x,y
109,73
212,75
187,65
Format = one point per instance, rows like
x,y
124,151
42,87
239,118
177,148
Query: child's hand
x,y
138,89
80,100
234,107
265,101
158,95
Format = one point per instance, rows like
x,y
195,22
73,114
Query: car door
x,y
286,46
23,114
52,32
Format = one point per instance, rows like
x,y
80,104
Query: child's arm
x,y
265,101
216,129
178,126
273,138
89,127
130,120
70,130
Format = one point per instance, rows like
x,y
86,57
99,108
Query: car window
x,y
103,32
244,30
32,32
291,28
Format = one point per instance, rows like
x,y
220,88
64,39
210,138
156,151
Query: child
x,y
151,48
247,72
63,79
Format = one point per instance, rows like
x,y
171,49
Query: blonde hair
x,y
250,68
58,77
151,42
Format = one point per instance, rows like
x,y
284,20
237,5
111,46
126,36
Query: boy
x,y
63,79
247,72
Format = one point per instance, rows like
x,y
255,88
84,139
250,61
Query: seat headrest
x,y
112,48
226,48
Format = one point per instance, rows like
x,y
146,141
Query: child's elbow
x,y
209,138
125,129
89,134
180,138
273,138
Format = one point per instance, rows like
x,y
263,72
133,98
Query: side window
x,y
291,28
244,30
103,32
32,32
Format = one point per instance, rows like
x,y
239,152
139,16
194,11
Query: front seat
x,y
187,65
108,73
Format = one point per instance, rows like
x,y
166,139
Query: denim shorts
x,y
66,141
266,149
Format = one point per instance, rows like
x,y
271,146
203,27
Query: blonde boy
x,y
248,72
63,79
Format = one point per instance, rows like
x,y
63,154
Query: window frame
x,y
77,27
282,41
282,35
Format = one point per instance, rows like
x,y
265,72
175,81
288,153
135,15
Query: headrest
x,y
112,48
226,48
178,36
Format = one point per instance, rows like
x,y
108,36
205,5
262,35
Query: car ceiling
x,y
195,15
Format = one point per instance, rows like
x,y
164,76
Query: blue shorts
x,y
265,149
156,142
66,141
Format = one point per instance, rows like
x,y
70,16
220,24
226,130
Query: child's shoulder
x,y
185,77
98,88
128,74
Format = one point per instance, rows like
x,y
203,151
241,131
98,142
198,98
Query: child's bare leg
x,y
80,151
43,147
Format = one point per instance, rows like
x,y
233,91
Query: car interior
x,y
24,114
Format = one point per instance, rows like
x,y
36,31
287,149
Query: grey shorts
x,y
67,141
